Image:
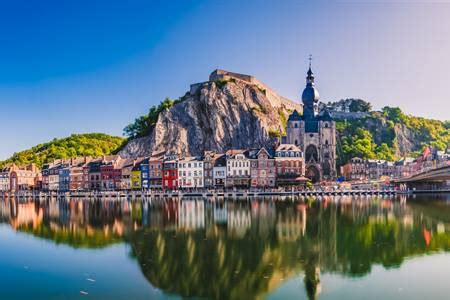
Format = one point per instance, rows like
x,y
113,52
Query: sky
x,y
93,66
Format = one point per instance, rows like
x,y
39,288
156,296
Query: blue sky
x,y
93,66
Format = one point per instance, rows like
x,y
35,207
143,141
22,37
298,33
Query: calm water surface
x,y
335,248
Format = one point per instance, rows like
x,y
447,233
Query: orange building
x,y
22,178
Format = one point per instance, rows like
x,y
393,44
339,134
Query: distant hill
x,y
91,144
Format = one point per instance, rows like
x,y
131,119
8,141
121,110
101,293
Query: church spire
x,y
310,95
310,77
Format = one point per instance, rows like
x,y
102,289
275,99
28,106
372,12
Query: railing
x,y
427,167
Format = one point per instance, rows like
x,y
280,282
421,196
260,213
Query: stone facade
x,y
208,162
355,169
263,169
155,164
15,178
315,134
289,164
4,181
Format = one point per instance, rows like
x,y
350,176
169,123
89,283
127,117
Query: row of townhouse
x,y
257,168
358,169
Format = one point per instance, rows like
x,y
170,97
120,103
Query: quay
x,y
207,194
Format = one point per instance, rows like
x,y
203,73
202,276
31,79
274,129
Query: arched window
x,y
296,143
296,125
326,125
311,153
326,142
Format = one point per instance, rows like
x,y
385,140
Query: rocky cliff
x,y
228,111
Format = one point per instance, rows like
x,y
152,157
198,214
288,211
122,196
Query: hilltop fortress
x,y
226,76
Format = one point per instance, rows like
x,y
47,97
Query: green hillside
x,y
389,134
91,144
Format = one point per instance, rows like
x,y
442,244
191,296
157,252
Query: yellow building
x,y
136,178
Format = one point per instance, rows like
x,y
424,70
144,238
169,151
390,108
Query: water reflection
x,y
244,249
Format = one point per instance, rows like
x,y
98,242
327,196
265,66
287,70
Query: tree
x,y
358,105
394,114
143,124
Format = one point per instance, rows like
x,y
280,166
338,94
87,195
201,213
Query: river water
x,y
329,248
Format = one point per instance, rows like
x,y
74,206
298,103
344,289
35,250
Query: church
x,y
314,133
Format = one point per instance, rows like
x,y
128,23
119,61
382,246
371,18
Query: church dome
x,y
310,95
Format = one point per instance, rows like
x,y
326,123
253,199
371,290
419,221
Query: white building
x,y
190,173
4,182
220,171
238,168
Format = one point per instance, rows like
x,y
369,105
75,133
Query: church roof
x,y
325,115
295,116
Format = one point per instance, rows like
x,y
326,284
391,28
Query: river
x,y
329,248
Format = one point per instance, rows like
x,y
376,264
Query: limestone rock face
x,y
217,115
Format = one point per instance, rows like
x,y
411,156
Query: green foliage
x,y
93,144
360,144
375,136
358,105
221,83
143,124
394,114
259,109
429,132
350,104
283,118
384,152
275,133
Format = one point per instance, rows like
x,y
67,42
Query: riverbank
x,y
196,194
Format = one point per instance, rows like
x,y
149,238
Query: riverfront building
x,y
155,170
238,168
170,172
290,166
4,181
263,168
208,162
14,178
127,167
220,171
190,173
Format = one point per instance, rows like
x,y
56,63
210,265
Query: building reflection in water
x,y
246,249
